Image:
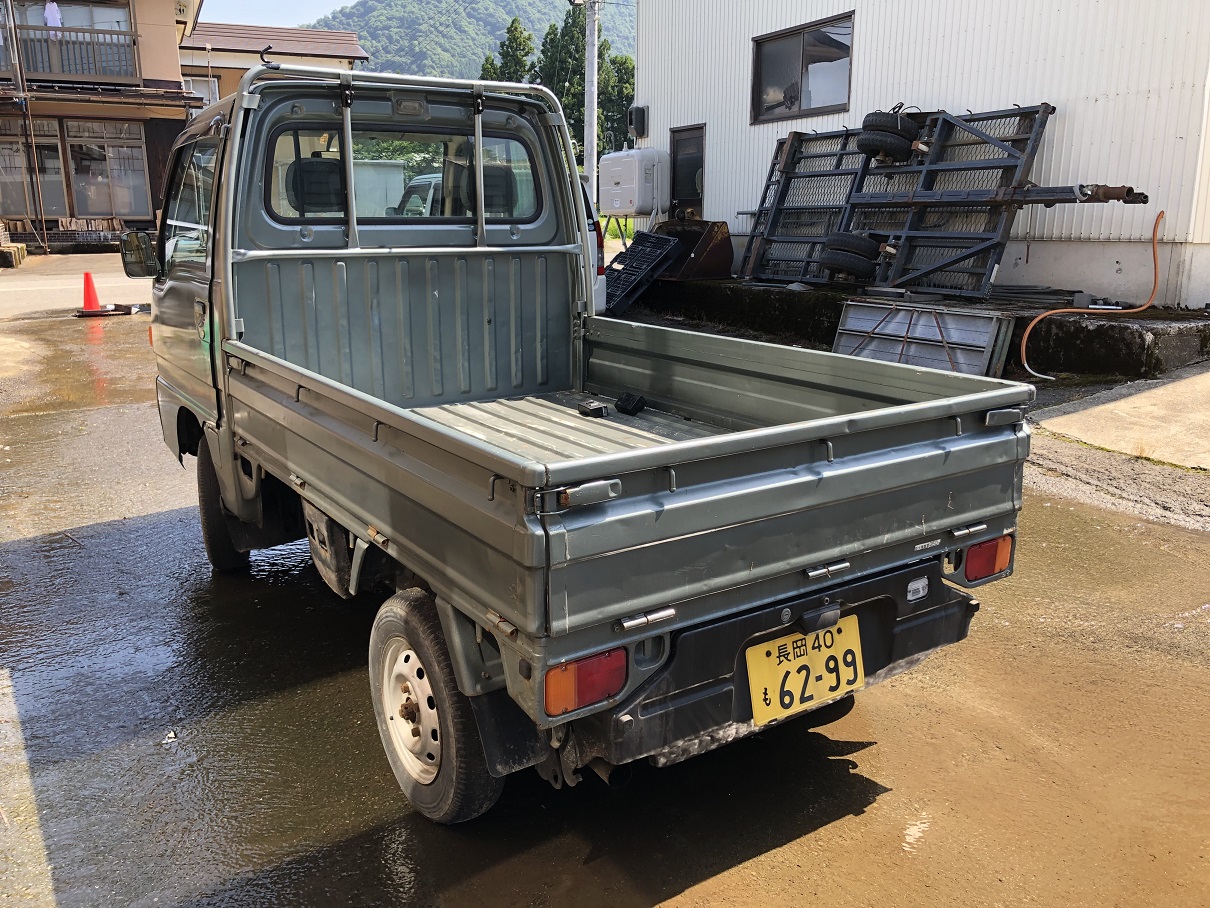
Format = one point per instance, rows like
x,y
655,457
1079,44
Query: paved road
x,y
169,737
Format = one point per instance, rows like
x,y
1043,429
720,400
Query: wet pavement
x,y
173,737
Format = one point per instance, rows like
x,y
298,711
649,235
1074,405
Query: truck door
x,y
182,320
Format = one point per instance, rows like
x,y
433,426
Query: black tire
x,y
838,262
884,144
216,535
854,243
434,749
895,124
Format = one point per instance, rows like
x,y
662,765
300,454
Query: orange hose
x,y
1155,285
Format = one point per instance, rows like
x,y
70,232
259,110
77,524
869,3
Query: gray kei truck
x,y
608,541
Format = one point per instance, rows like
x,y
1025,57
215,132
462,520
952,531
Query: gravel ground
x,y
1144,488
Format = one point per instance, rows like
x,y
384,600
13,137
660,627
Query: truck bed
x,y
549,428
754,469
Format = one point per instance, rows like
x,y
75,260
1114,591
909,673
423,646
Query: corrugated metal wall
x,y
1129,80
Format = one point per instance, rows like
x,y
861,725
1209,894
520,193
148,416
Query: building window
x,y
802,71
18,194
108,169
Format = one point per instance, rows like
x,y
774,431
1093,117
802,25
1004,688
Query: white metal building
x,y
1130,80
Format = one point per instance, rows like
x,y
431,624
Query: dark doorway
x,y
688,171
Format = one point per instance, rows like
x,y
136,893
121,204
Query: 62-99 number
x,y
834,671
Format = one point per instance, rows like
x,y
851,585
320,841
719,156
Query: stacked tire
x,y
887,135
852,254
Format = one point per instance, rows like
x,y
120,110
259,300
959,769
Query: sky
x,y
268,12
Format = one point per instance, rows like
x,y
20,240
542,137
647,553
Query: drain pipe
x,y
1155,285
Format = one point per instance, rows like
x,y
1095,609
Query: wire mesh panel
x,y
947,212
805,193
940,218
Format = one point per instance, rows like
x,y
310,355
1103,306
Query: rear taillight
x,y
600,249
586,681
988,558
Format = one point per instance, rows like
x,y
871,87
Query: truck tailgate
x,y
712,535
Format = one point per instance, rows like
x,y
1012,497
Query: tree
x,y
615,94
515,52
560,67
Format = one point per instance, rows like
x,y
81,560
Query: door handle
x,y
199,317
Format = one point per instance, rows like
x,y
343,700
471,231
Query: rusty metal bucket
x,y
705,252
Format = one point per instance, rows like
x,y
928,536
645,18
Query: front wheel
x,y
425,722
216,535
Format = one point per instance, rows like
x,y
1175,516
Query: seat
x,y
316,186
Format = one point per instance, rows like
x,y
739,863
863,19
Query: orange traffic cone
x,y
92,303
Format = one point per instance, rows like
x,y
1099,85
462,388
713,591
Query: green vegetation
x,y
452,37
560,66
494,39
619,227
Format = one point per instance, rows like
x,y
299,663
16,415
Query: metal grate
x,y
954,340
809,182
635,267
944,215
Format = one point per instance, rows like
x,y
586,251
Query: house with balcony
x,y
91,99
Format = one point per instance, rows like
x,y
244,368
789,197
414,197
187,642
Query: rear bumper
x,y
699,699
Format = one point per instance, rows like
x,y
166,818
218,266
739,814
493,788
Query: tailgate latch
x,y
548,501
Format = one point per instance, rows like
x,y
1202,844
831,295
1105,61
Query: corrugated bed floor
x,y
549,428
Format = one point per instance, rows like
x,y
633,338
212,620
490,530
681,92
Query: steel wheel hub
x,y
411,711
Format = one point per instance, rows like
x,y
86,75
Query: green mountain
x,y
451,37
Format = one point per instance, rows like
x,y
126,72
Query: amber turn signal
x,y
573,685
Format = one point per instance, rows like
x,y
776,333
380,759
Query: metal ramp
x,y
809,183
942,216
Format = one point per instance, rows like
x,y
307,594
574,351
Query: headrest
x,y
316,186
499,190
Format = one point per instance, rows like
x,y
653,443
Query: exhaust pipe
x,y
616,777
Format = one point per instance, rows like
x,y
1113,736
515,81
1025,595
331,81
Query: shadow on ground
x,y
207,740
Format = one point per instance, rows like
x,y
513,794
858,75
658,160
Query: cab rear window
x,y
400,177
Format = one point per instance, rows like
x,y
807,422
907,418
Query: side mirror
x,y
138,254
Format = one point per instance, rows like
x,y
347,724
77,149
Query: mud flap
x,y
329,549
510,739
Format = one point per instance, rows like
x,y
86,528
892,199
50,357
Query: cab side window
x,y
185,233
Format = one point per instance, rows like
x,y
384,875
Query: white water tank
x,y
633,183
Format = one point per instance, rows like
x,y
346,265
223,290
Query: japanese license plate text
x,y
799,672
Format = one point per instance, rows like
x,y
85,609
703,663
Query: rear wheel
x,y
425,722
216,535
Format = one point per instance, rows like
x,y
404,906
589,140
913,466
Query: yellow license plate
x,y
793,674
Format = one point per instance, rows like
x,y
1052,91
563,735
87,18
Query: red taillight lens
x,y
585,681
600,249
988,558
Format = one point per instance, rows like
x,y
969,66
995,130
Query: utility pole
x,y
591,8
